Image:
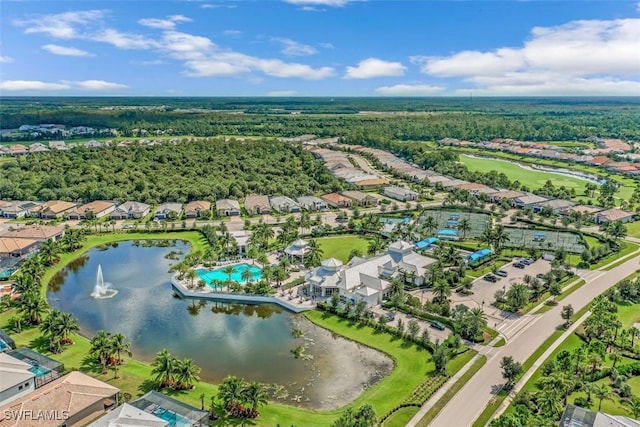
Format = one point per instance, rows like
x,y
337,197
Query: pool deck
x,y
295,304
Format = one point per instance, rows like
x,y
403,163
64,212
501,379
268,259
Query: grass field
x,y
341,246
533,179
633,229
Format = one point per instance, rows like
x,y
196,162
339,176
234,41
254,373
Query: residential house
x,y
91,210
58,145
284,204
158,403
584,210
312,203
399,193
73,400
613,215
38,148
168,210
14,248
505,194
257,205
131,210
53,209
18,150
453,183
197,209
528,200
337,200
575,416
227,207
17,208
36,232
16,378
556,206
361,199
127,415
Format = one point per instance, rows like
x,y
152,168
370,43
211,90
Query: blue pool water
x,y
40,371
174,419
218,274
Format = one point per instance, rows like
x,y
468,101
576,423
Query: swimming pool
x,y
40,371
174,419
219,274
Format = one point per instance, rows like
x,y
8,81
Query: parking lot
x,y
434,334
483,290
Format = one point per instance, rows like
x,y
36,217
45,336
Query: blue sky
x,y
320,48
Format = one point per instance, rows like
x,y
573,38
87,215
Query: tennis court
x,y
545,240
450,220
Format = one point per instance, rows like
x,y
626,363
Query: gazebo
x,y
297,249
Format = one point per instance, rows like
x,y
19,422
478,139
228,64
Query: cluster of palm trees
x,y
240,398
174,373
496,237
57,328
107,350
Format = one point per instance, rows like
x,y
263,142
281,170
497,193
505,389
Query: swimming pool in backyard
x,y
220,275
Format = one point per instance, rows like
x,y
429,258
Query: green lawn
x,y
633,229
341,246
412,365
531,178
401,417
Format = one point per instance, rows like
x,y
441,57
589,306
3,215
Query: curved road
x,y
469,403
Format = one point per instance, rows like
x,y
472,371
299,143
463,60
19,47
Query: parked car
x,y
519,265
528,261
540,276
438,325
127,226
491,278
502,273
390,316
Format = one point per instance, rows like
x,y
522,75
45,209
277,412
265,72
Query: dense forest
x,y
405,119
208,169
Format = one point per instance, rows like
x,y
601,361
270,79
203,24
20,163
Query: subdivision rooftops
x,y
36,232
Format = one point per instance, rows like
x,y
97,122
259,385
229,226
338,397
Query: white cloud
x,y
6,60
577,58
99,85
123,40
409,90
65,50
164,24
325,45
62,25
232,33
282,93
218,6
374,67
31,85
294,48
151,62
36,85
330,3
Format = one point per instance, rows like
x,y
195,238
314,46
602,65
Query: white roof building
x,y
129,416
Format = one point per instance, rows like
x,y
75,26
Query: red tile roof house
x,y
257,205
73,400
599,161
612,215
197,209
35,232
337,200
97,209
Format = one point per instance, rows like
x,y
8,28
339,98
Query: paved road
x,y
467,405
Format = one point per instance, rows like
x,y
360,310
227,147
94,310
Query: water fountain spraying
x,y
102,289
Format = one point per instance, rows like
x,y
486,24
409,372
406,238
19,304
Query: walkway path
x,y
467,405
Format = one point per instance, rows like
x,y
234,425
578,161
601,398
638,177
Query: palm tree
x,y
229,270
633,332
246,276
33,308
499,238
464,226
67,325
119,346
314,255
49,251
441,291
164,365
191,275
429,224
549,402
254,394
477,318
186,374
634,406
101,349
230,391
602,392
49,328
518,296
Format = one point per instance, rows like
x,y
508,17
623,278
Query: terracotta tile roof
x,y
613,214
9,245
37,232
96,206
202,205
336,198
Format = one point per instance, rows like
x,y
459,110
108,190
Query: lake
x,y
252,341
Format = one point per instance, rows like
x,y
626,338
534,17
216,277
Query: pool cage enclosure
x,y
53,369
154,402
